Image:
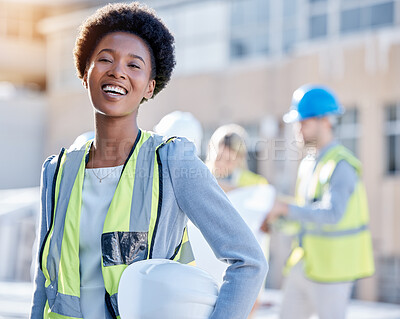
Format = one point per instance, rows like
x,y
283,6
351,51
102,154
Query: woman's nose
x,y
117,70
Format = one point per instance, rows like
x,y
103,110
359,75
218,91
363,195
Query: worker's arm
x,y
39,295
331,208
204,202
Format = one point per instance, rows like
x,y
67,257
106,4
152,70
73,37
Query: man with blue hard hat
x,y
333,246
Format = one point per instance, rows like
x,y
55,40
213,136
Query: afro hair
x,y
133,18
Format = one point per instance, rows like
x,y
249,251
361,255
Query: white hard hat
x,y
160,288
82,139
183,124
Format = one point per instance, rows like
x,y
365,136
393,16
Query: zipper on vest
x,y
160,194
178,247
131,152
53,195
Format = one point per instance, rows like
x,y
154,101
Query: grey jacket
x,y
189,191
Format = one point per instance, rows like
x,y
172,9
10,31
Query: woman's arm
x,y
203,201
39,295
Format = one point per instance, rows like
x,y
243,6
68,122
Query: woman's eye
x,y
134,66
104,60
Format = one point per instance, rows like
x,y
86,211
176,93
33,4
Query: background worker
x,y
333,246
227,158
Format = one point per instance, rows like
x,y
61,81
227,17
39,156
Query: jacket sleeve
x,y
204,202
39,295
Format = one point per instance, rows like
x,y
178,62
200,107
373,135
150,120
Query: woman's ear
x,y
150,89
84,80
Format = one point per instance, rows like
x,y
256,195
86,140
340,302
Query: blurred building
x,y
239,61
23,83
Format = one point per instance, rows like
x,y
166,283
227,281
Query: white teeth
x,y
114,89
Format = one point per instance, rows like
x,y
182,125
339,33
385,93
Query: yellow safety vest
x,y
339,252
248,178
129,229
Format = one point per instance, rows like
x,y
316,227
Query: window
x,y
289,38
249,28
19,21
318,26
392,129
382,14
348,129
350,20
289,24
367,17
249,46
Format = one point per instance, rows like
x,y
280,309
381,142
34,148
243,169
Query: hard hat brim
x,y
294,116
291,117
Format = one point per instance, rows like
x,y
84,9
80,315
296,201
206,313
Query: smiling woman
x,y
126,195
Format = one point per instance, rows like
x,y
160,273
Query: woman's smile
x,y
114,91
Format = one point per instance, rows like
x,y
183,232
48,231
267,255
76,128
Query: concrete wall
x,y
22,139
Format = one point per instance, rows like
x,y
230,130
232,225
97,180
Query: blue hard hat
x,y
312,101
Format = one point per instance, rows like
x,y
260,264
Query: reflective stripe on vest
x,y
126,238
336,233
339,252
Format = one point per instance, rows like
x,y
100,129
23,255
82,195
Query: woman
x,y
126,195
227,158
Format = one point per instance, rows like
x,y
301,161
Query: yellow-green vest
x,y
339,252
129,229
248,178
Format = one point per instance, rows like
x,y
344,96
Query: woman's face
x,y
226,162
118,75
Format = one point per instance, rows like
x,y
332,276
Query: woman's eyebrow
x,y
106,50
135,56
